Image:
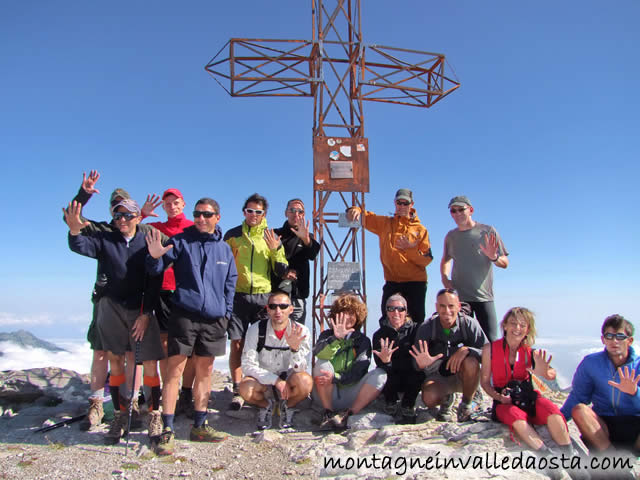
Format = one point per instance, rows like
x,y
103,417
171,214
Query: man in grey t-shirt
x,y
473,247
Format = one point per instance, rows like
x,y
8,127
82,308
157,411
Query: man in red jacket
x,y
173,204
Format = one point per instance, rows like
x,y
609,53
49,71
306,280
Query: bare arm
x,y
445,267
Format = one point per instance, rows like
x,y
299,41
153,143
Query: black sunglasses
x,y
402,203
198,213
458,210
127,216
281,306
618,336
396,309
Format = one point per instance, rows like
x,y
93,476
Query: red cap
x,y
172,191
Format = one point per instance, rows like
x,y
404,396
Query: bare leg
x,y
591,426
527,434
99,369
189,374
558,429
470,376
235,358
325,393
433,393
202,384
300,386
253,391
366,395
175,366
163,363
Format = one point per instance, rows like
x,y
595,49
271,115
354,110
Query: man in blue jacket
x,y
607,380
202,303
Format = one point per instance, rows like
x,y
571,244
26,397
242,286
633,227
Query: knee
x,y
581,412
378,379
301,381
321,367
470,366
430,397
246,387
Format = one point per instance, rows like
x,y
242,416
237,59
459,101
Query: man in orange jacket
x,y
405,252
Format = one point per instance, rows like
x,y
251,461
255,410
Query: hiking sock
x,y
97,393
114,386
167,420
199,418
154,384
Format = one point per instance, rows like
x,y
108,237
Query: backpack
x,y
262,335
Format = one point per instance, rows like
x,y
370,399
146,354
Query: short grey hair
x,y
396,297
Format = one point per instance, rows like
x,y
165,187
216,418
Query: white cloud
x,y
78,357
7,318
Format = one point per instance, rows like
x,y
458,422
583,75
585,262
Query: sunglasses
x,y
618,336
281,306
199,213
458,210
396,309
253,210
296,210
127,216
402,203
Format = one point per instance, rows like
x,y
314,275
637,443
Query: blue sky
x,y
542,136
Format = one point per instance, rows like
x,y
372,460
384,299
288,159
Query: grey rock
x,y
49,385
267,436
369,420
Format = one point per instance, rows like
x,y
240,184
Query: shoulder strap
x,y
262,335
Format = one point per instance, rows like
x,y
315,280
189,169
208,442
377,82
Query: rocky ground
x,y
68,453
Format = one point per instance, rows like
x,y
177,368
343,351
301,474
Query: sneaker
x,y
286,415
391,408
165,445
205,433
155,424
445,413
236,402
94,415
341,420
464,411
184,406
407,415
116,429
265,416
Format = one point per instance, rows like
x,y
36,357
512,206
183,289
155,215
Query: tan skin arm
x,y
485,376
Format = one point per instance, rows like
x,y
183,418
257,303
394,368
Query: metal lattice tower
x,y
339,71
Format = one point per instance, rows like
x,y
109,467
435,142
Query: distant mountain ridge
x,y
26,339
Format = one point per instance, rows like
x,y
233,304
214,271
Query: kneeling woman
x,y
343,354
512,358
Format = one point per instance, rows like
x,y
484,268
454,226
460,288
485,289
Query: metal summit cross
x,y
339,71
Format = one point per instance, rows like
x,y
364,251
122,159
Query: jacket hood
x,y
384,322
193,232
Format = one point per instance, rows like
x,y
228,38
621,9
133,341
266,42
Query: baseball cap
x,y
172,191
460,201
118,192
129,204
404,194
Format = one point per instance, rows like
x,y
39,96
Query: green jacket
x,y
255,261
350,357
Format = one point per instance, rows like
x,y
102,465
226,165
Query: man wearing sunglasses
x,y
259,256
205,274
300,248
274,361
405,252
124,316
473,248
608,381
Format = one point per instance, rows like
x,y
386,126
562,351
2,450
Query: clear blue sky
x,y
543,136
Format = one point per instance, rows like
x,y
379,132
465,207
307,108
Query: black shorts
x,y
93,336
163,310
623,429
247,310
193,334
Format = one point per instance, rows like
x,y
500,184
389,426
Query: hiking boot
x,y
94,415
478,397
286,415
391,408
205,433
326,423
165,444
407,415
445,413
116,429
341,420
136,420
265,416
464,411
185,406
155,424
236,402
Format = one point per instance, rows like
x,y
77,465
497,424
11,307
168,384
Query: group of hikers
x,y
168,294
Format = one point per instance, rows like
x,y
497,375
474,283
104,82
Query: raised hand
x,y
386,350
295,337
72,217
403,242
153,201
89,183
421,355
339,326
139,327
154,244
273,240
301,230
628,381
353,214
543,365
490,247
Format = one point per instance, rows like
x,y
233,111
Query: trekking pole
x,y
133,387
63,423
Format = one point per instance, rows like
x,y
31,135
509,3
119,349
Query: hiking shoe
x,y
478,397
445,413
155,424
205,433
341,420
326,423
165,444
184,406
407,415
136,420
391,408
94,415
265,416
116,429
286,414
236,402
464,411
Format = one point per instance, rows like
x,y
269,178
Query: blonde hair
x,y
522,313
351,304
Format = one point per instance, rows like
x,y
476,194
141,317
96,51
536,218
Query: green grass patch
x,y
25,463
218,468
303,461
57,445
130,466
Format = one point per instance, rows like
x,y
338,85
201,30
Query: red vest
x,y
501,371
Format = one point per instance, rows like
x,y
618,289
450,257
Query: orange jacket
x,y
401,265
